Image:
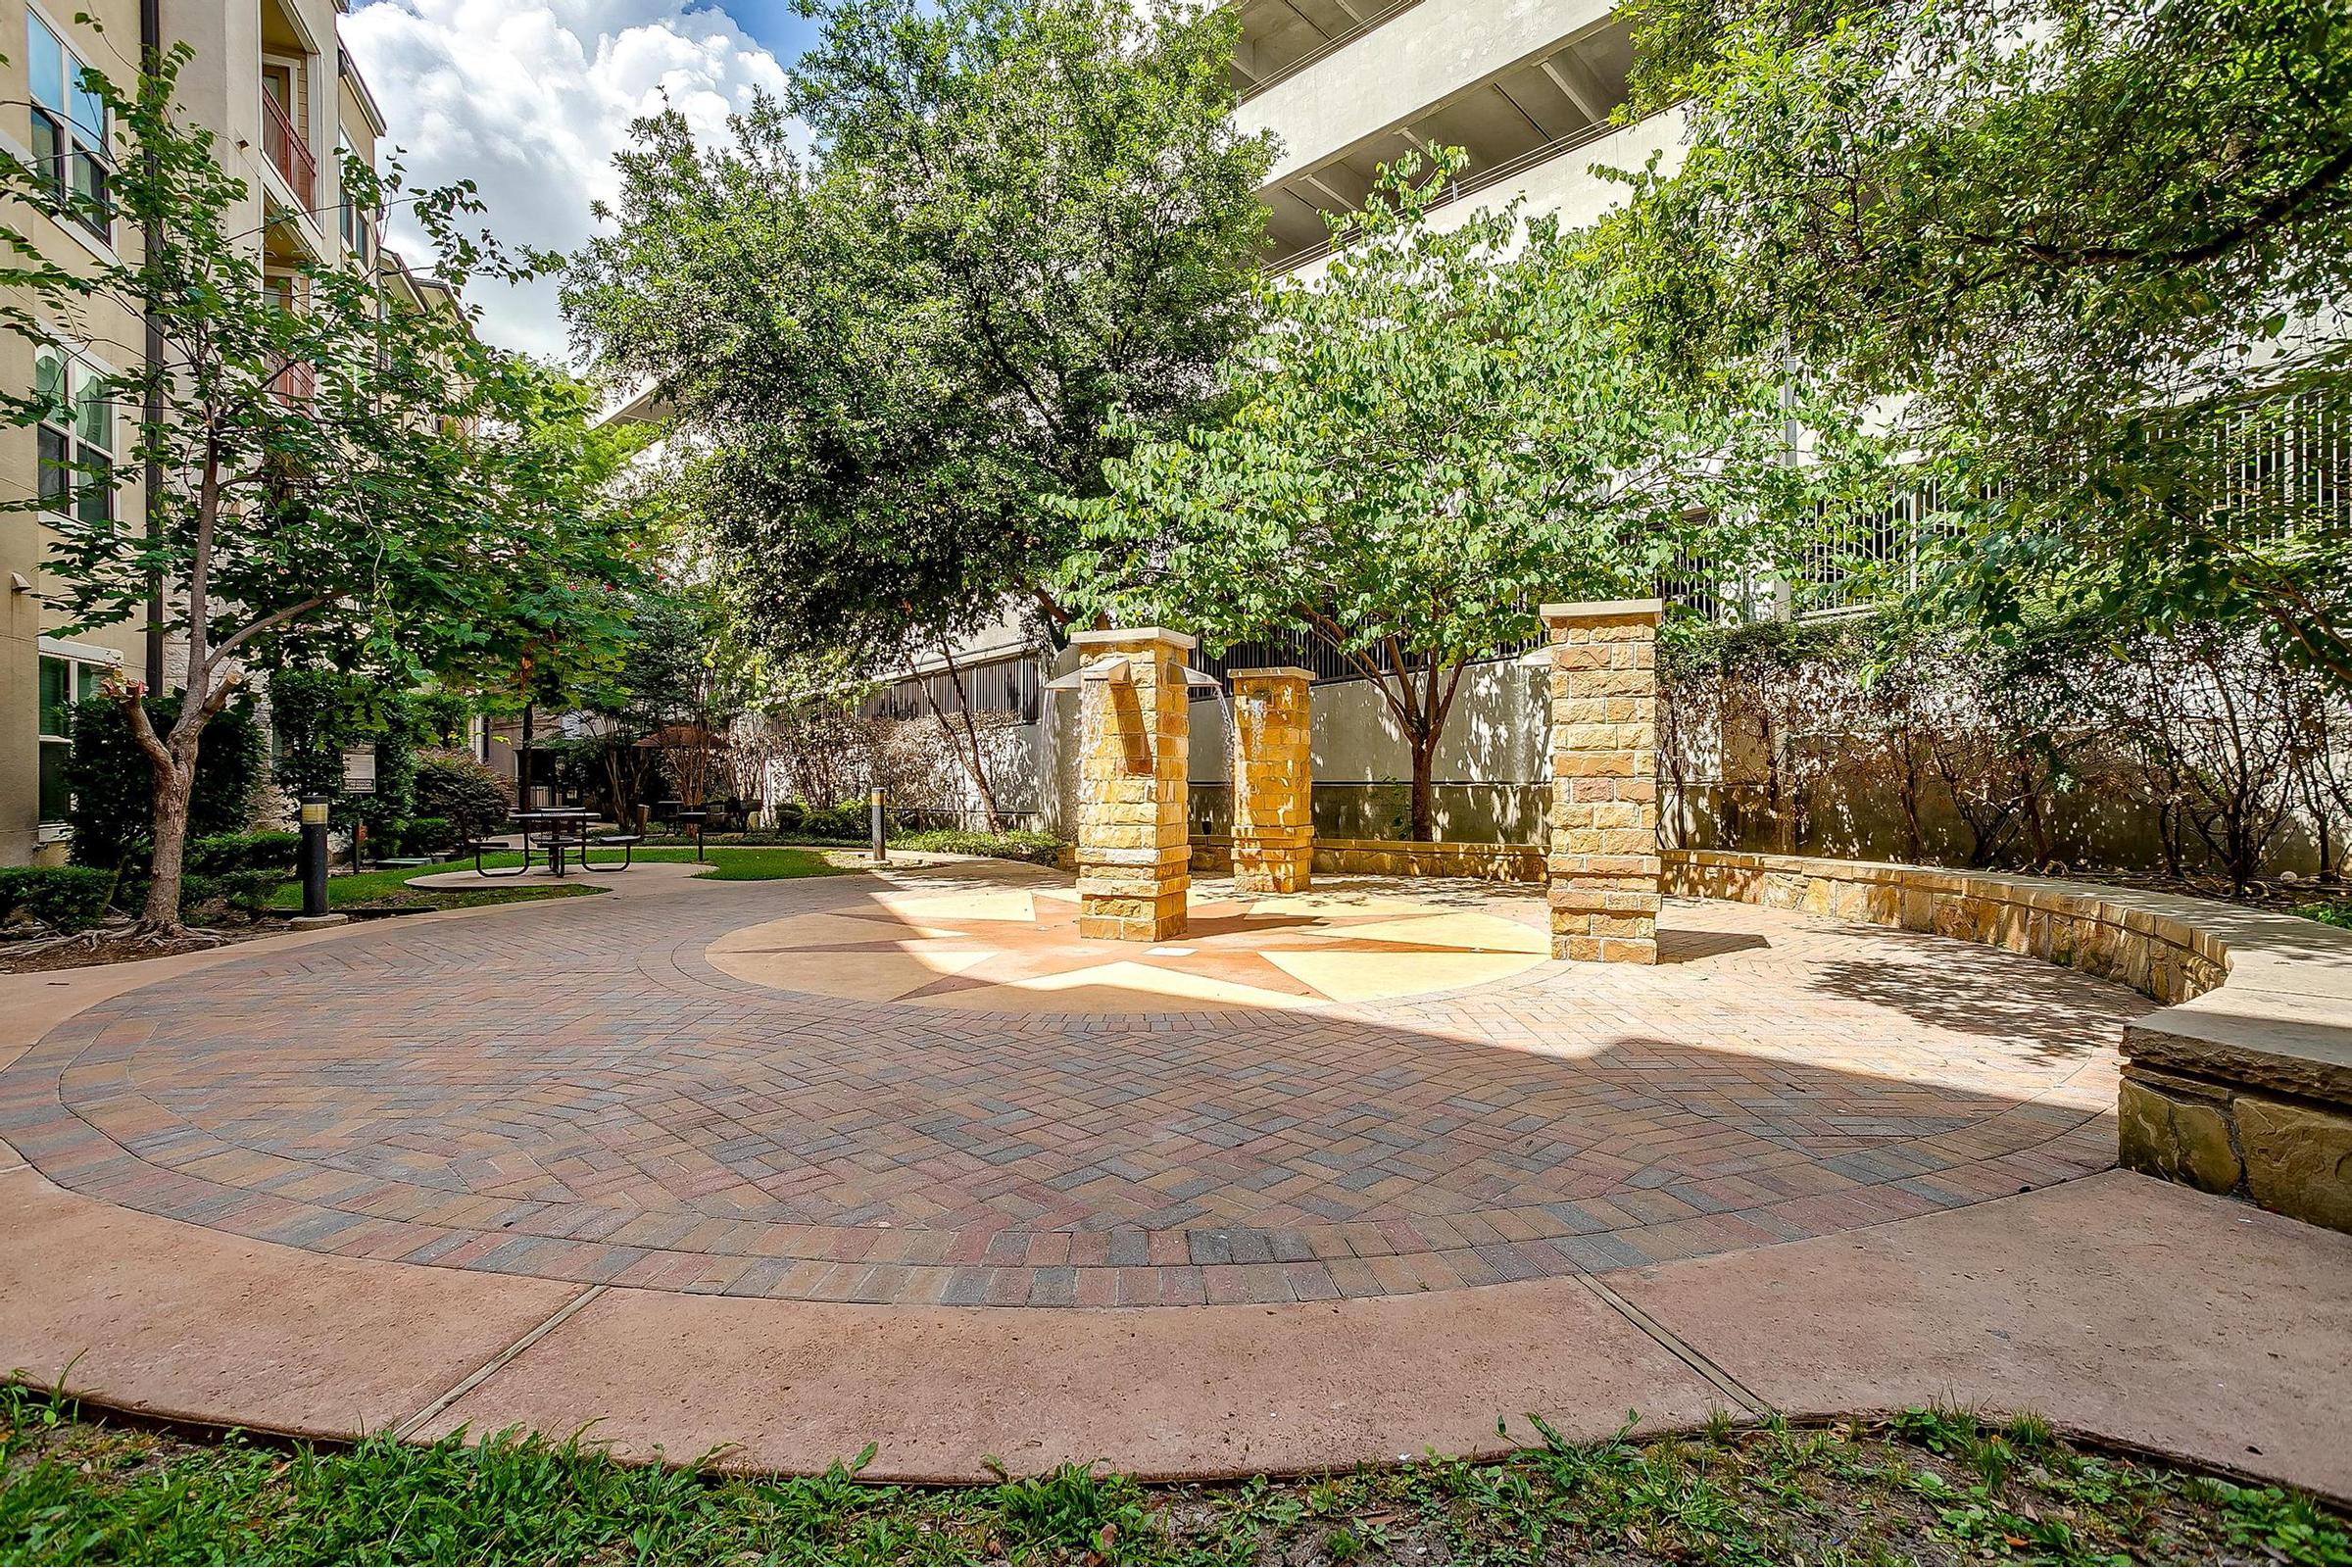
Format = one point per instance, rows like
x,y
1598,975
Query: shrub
x,y
69,898
1043,848
394,797
227,854
315,714
248,888
453,786
432,836
114,789
847,824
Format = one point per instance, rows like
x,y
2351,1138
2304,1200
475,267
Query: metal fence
x,y
1011,685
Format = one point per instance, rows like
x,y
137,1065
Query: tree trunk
x,y
968,755
1424,798
175,785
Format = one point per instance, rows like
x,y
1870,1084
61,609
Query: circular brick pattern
x,y
571,1090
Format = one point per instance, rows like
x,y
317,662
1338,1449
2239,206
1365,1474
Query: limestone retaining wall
x,y
2108,932
1491,862
2241,1085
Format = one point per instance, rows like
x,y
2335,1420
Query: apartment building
x,y
271,82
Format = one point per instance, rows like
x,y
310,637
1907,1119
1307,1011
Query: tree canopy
x,y
883,354
1425,445
336,465
2089,259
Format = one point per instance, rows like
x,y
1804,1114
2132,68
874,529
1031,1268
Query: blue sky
x,y
531,99
773,24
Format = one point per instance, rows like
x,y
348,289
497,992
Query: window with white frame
x,y
67,678
76,436
68,126
357,225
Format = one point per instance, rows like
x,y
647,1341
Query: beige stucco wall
x,y
107,337
220,89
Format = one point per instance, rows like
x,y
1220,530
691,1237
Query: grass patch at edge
x,y
392,890
1933,1484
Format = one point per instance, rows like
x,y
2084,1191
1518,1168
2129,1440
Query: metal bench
x,y
626,843
482,847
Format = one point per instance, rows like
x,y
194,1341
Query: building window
x,y
357,224
68,128
64,681
76,436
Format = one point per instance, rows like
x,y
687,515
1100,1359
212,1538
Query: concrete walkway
x,y
2111,1305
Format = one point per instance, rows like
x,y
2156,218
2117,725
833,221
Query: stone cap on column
x,y
1117,637
1273,672
1605,609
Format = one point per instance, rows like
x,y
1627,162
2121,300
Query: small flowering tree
x,y
335,462
1420,448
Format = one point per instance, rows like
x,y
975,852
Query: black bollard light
x,y
881,848
314,856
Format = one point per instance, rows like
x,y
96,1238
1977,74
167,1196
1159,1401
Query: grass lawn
x,y
391,890
1931,1486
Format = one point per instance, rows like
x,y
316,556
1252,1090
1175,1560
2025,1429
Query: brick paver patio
x,y
577,1091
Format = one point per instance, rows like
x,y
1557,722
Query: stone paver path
x,y
592,1091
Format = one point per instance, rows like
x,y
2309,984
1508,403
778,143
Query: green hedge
x,y
454,787
241,869
226,853
1044,849
69,898
433,837
114,789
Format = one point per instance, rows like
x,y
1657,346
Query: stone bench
x,y
2241,1085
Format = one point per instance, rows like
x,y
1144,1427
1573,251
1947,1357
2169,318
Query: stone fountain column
x,y
1134,727
1603,859
1273,781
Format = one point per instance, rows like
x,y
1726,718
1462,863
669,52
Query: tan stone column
x,y
1135,726
1604,863
1273,781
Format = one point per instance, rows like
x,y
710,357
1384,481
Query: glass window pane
x,y
57,480
57,685
93,414
97,503
56,800
49,379
45,63
48,148
90,115
90,183
86,681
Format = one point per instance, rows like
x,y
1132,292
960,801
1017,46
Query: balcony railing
x,y
288,153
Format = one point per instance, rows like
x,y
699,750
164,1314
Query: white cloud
x,y
530,98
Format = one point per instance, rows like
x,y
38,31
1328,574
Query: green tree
x,y
1019,218
2089,259
1421,449
113,786
362,474
679,684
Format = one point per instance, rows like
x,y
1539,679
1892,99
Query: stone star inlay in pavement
x,y
1005,947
